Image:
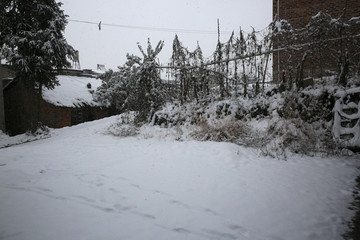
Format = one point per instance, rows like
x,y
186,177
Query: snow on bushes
x,y
124,125
308,106
299,122
228,130
275,122
296,136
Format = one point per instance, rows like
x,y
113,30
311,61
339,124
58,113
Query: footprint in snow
x,y
208,210
85,199
136,186
181,230
122,208
180,204
43,189
144,215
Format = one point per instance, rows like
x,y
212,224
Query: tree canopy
x,y
32,40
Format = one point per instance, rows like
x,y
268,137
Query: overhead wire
x,y
174,30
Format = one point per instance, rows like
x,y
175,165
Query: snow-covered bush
x,y
194,112
176,114
310,106
124,126
122,130
298,122
228,130
296,136
41,131
216,121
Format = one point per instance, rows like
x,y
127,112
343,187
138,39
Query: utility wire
x,y
175,30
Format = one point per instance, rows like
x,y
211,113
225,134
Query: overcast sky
x,y
110,45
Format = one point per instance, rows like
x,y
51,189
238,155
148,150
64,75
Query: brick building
x,y
68,104
299,12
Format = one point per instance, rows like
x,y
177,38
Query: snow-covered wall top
x,y
72,91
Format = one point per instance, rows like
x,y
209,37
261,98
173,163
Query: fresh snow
x,y
72,91
81,183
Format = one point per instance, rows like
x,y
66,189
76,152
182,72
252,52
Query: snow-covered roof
x,y
98,71
72,91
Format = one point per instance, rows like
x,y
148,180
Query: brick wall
x,y
58,117
54,116
298,14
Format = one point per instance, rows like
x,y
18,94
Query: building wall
x,y
18,112
2,110
4,73
54,116
58,117
298,14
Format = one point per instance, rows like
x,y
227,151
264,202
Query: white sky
x,y
110,45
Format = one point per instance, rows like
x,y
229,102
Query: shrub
x,y
124,126
220,131
298,137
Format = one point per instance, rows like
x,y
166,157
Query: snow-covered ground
x,y
83,184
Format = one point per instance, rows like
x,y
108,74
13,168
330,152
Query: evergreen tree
x,y
33,43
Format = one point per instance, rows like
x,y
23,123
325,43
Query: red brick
x,y
298,14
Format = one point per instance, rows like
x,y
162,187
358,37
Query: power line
x,y
174,30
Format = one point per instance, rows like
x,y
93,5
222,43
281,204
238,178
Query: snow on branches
x,y
32,40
